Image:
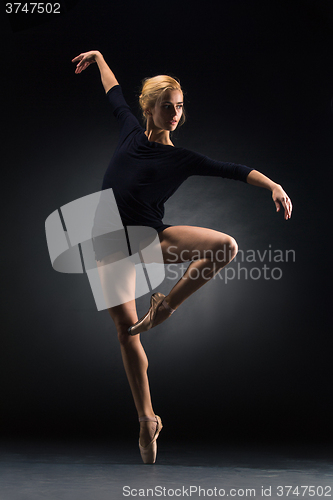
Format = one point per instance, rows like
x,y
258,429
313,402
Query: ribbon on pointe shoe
x,y
167,307
149,452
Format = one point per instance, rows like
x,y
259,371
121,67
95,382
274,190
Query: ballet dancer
x,y
145,170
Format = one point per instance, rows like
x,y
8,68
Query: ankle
x,y
167,306
147,418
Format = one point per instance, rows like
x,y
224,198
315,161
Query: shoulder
x,y
121,109
189,156
116,98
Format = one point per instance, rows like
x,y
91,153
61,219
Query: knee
x,y
123,336
226,250
232,247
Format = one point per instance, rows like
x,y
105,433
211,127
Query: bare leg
x,y
136,365
209,251
118,282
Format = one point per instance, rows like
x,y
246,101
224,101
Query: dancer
x,y
145,170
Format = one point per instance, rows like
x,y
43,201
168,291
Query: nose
x,y
175,112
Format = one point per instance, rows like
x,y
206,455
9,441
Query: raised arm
x,y
279,196
94,56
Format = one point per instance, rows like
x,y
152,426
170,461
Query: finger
x,y
80,67
83,66
77,58
286,211
284,204
290,209
287,208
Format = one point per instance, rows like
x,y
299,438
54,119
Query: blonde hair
x,y
153,89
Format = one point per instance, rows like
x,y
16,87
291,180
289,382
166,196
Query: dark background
x,y
246,361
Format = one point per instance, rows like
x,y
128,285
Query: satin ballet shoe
x,y
149,452
147,321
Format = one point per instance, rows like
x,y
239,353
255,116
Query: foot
x,y
148,437
158,312
147,432
162,313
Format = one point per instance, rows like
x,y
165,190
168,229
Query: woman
x,y
144,172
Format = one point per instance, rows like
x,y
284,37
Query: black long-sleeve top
x,y
143,174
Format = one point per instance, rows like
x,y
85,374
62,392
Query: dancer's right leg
x,y
118,283
136,365
134,357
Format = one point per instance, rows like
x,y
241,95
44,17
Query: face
x,y
168,111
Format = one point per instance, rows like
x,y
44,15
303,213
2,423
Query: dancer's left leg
x,y
209,251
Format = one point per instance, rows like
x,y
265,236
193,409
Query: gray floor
x,y
90,471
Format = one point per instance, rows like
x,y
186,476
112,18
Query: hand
x,y
280,197
84,60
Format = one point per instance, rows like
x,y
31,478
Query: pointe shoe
x,y
149,452
147,321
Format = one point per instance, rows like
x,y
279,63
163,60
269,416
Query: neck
x,y
158,135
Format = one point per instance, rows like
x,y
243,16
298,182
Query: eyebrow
x,y
168,102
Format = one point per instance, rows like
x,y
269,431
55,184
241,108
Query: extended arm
x,y
279,196
94,56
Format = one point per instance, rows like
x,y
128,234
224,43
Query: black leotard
x,y
144,174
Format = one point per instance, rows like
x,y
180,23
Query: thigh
x,y
187,243
117,277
